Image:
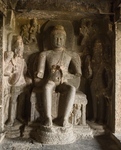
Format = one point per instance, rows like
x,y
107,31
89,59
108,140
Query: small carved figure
x,y
33,31
86,30
77,114
58,62
25,33
29,32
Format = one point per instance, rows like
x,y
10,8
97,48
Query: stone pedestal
x,y
83,131
13,131
54,135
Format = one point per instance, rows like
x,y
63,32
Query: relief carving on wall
x,y
97,69
46,98
29,31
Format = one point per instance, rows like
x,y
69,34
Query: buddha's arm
x,y
41,65
77,64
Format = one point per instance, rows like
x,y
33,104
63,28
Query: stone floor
x,y
102,142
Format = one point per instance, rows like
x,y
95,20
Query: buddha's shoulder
x,y
72,53
44,53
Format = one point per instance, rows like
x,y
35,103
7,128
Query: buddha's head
x,y
58,37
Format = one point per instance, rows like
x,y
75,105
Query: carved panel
x,y
96,41
91,38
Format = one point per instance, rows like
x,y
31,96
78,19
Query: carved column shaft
x,y
83,114
33,103
1,78
118,78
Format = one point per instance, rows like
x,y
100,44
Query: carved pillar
x,y
2,13
118,72
33,107
1,83
83,114
118,78
6,25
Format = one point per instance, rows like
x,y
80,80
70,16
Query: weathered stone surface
x,y
1,64
87,25
102,142
3,8
68,5
14,131
118,79
1,119
54,135
10,20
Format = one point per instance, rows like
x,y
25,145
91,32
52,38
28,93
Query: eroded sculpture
x,y
101,72
58,75
29,31
60,69
15,70
58,61
76,114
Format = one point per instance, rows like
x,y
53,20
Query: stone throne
x,y
57,134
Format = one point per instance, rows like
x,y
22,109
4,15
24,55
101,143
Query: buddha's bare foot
x,y
48,122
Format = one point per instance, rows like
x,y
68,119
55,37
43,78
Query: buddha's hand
x,y
37,78
40,75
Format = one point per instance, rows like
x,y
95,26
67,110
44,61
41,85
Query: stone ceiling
x,y
43,8
94,6
75,8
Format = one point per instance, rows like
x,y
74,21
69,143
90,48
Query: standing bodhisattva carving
x,y
14,71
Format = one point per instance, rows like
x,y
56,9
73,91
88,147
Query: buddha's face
x,y
58,40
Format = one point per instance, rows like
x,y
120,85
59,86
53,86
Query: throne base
x,y
54,135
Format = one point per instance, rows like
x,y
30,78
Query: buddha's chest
x,y
60,59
